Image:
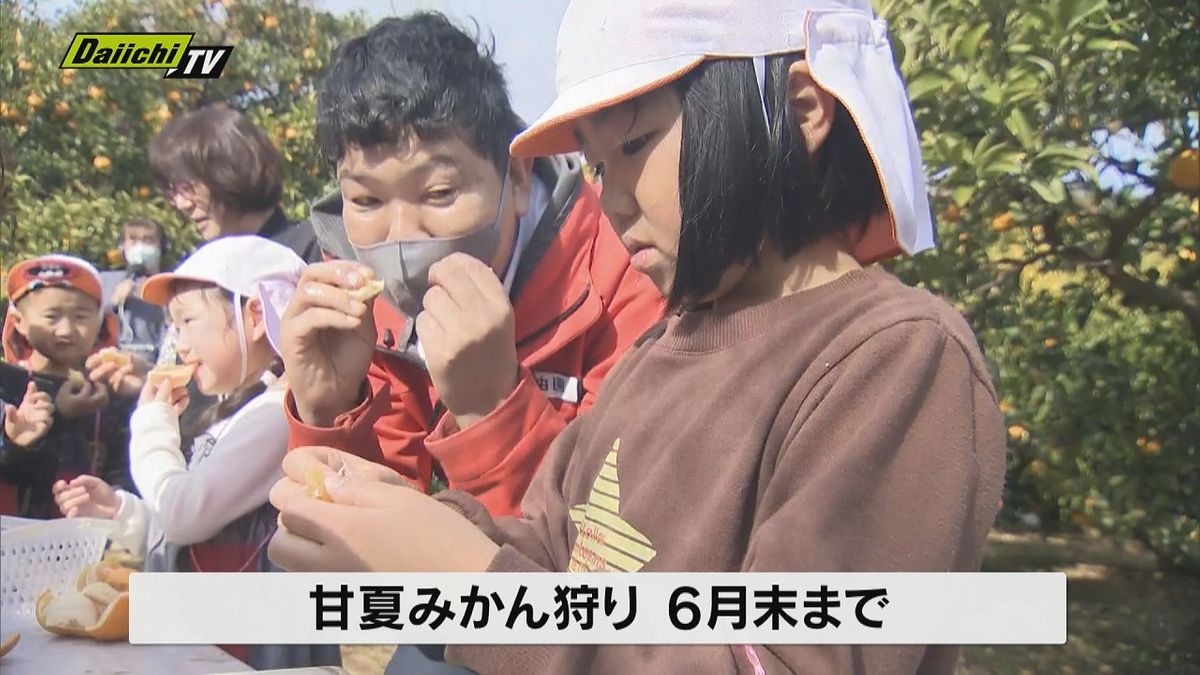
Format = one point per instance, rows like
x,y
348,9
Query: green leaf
x,y
970,43
1066,151
927,83
1053,192
962,194
1005,163
1110,45
1020,127
1045,64
1074,12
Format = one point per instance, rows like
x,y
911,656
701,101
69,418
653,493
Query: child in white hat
x,y
800,412
203,504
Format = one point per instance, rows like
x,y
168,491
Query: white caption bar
x,y
981,608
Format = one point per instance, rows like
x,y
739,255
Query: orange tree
x,y
1061,140
74,141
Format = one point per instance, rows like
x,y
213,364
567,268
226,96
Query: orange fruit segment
x,y
179,375
115,356
367,291
314,481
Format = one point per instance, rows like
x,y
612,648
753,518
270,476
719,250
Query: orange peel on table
x,y
9,642
367,291
179,376
97,609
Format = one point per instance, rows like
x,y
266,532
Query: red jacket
x,y
581,307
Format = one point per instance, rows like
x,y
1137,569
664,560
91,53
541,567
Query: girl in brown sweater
x,y
798,412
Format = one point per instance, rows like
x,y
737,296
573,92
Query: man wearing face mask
x,y
142,244
507,296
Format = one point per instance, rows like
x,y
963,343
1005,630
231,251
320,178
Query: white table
x,y
40,653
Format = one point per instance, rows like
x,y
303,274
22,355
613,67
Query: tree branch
x,y
1120,228
1142,293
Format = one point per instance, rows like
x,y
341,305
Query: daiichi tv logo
x,y
173,52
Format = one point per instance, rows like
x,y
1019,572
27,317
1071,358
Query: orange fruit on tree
x,y
1050,343
290,133
269,21
1003,222
24,65
174,96
1018,433
35,100
1184,170
95,92
101,163
143,192
61,109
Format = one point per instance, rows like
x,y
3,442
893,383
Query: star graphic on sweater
x,y
606,542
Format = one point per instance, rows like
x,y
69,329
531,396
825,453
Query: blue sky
x,y
525,32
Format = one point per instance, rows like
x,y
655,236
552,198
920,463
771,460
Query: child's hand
x,y
424,535
327,339
86,497
125,381
76,399
27,424
163,392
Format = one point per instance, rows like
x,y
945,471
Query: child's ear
x,y
256,324
520,177
812,107
18,321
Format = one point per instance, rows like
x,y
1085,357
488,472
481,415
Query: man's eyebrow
x,y
436,160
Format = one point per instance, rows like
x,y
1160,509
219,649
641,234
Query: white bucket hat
x,y
613,51
248,266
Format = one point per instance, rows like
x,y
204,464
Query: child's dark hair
x,y
418,75
239,397
741,185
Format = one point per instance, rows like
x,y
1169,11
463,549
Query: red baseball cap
x,y
50,271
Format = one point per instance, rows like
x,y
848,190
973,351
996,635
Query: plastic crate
x,y
45,556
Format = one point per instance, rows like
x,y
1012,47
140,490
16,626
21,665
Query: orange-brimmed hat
x,y
614,51
48,271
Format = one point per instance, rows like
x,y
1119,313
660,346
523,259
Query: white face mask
x,y
143,257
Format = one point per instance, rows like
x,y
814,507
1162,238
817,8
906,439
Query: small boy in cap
x,y
54,322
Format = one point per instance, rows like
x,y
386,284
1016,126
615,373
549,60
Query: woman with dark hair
x,y
799,412
220,171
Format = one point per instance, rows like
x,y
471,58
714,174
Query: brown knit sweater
x,y
849,428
